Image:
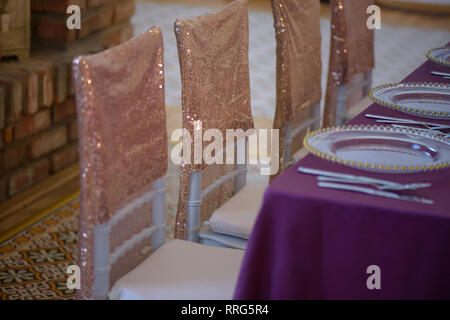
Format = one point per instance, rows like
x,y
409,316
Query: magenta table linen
x,y
314,243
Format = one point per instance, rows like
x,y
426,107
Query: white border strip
x,y
133,205
127,245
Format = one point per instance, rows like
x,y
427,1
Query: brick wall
x,y
37,105
37,121
103,19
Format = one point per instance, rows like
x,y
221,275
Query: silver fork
x,y
380,184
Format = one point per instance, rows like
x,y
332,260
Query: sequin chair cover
x,y
351,49
299,67
213,55
123,145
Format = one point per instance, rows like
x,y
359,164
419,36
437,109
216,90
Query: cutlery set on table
x,y
442,74
397,145
383,188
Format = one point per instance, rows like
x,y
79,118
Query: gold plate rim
x,y
373,166
414,111
438,61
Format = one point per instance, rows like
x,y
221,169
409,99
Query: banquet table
x,y
315,243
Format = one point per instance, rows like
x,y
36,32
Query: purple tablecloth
x,y
313,243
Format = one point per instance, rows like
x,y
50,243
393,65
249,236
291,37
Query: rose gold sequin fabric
x,y
213,54
123,138
351,48
299,65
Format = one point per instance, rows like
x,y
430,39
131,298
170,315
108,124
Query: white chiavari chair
x,y
123,161
351,59
299,69
215,204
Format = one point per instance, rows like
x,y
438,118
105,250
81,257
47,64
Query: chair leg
x,y
241,179
341,105
193,205
159,213
316,115
101,261
368,79
329,110
287,147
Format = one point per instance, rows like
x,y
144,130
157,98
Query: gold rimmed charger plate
x,y
381,148
428,99
440,55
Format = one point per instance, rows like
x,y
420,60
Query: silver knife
x,y
430,125
380,193
438,73
391,187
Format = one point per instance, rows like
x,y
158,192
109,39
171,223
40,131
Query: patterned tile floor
x,y
33,263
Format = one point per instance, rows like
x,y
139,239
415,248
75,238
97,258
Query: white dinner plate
x,y
381,148
429,100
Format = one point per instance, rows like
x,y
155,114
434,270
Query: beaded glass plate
x,y
381,148
440,55
429,100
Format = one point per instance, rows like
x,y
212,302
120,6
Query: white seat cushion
x,y
237,216
181,270
209,237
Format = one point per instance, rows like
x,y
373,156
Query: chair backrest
x,y
123,159
351,49
213,54
299,69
